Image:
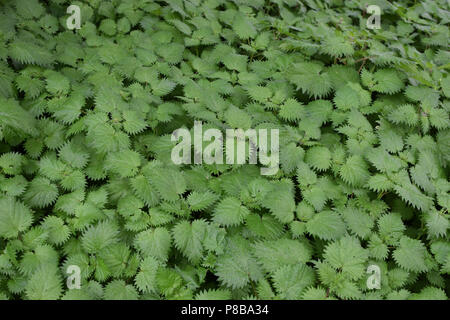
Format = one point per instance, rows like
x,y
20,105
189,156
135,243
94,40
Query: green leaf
x,y
119,290
237,267
200,201
354,171
15,217
214,294
125,163
348,256
99,237
41,193
280,201
318,158
44,284
154,242
273,255
188,238
243,26
169,183
387,81
410,255
146,277
291,280
359,222
230,212
326,225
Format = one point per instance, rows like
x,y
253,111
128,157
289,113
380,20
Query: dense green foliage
x,y
86,177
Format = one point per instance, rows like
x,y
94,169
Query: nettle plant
x,y
87,184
